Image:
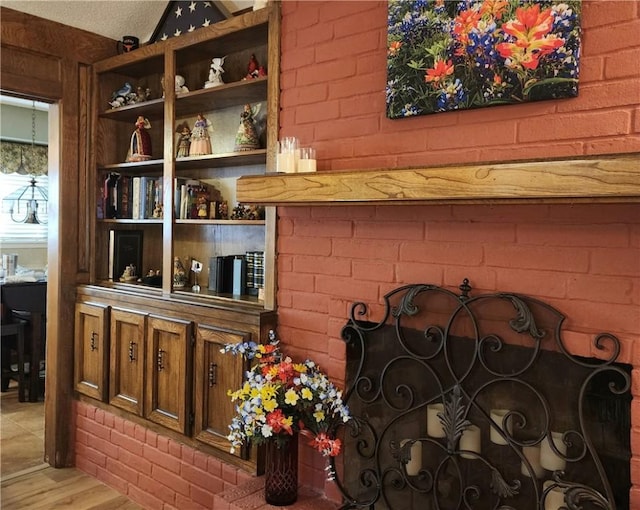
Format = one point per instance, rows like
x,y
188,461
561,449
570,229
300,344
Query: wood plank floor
x,y
50,489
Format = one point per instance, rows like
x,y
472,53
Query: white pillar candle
x,y
470,440
555,497
532,454
548,458
414,465
307,165
286,162
434,425
497,415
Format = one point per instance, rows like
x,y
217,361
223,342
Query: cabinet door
x,y
126,381
166,387
91,350
215,374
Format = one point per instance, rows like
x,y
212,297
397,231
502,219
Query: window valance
x,y
23,158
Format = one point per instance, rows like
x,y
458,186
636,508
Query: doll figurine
x,y
252,68
200,141
184,141
215,73
140,146
247,136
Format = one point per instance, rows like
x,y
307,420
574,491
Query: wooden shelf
x,y
153,109
602,179
147,221
223,96
257,157
220,222
139,166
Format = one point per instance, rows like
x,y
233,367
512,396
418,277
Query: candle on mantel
x,y
414,465
555,497
497,415
434,425
470,440
548,458
532,454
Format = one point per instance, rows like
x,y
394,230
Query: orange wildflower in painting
x,y
439,72
464,24
494,8
394,48
532,40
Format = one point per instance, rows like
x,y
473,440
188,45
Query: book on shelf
x,y
221,274
125,249
254,268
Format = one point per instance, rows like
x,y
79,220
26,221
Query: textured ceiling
x,y
111,19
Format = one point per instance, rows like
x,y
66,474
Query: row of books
x,y
127,197
237,274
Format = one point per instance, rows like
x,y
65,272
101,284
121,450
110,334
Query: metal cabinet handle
x,y
213,374
160,360
132,355
92,341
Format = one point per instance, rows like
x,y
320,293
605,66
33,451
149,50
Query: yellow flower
x,y
269,405
287,422
291,397
307,394
319,415
299,367
255,392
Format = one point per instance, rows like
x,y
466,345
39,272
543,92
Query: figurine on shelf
x,y
184,140
122,96
129,274
179,273
215,73
157,211
140,147
142,95
180,87
252,68
247,135
200,140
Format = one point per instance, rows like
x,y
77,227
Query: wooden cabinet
x,y
91,350
126,375
122,186
215,374
167,373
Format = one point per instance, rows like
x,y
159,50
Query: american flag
x,y
186,16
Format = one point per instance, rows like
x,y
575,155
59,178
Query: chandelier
x,y
27,203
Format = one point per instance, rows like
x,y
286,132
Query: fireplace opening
x,y
474,402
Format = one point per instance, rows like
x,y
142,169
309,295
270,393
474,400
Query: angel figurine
x,y
140,146
215,73
184,140
200,140
247,135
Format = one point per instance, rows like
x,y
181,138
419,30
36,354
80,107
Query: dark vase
x,y
281,472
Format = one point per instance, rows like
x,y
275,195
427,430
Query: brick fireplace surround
x,y
583,259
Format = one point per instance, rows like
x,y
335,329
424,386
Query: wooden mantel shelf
x,y
613,178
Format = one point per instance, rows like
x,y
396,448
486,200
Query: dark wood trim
x,y
65,52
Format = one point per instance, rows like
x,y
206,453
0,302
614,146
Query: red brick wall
x,y
583,259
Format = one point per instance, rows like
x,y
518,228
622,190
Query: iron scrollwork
x,y
471,354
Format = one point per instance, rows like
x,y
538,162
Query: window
x,y
17,232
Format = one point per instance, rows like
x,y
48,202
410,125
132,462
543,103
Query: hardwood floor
x,y
49,488
29,483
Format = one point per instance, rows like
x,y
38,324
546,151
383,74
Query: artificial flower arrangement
x,y
280,398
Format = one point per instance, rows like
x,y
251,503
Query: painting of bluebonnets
x,y
445,55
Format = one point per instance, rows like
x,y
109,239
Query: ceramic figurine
x,y
140,146
122,96
200,141
129,274
184,141
252,68
179,273
247,135
180,86
215,73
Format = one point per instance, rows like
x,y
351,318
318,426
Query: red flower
x,y
325,445
439,72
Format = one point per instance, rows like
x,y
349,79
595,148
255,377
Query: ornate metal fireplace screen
x,y
475,402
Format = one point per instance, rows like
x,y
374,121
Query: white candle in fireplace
x,y
470,440
498,415
434,425
548,458
414,465
532,454
555,497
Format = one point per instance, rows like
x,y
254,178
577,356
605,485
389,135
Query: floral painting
x,y
447,55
